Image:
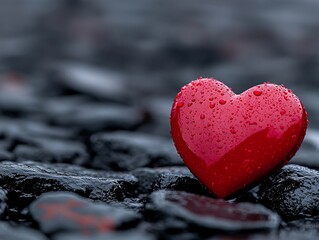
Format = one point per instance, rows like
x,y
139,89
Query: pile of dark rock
x,y
75,166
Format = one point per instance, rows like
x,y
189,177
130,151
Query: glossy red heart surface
x,y
231,142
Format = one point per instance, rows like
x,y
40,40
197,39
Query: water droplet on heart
x,y
180,104
212,105
202,116
210,99
189,104
222,101
233,131
282,127
283,112
257,93
193,100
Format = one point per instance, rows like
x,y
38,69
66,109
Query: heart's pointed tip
x,y
221,195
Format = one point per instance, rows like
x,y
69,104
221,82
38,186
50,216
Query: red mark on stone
x,y
69,211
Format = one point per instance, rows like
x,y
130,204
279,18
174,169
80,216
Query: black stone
x,y
63,212
134,204
123,151
40,129
89,117
304,225
249,196
26,181
52,151
5,155
3,202
307,155
293,192
293,235
8,232
168,178
280,235
210,214
93,81
33,140
128,235
159,110
26,130
19,104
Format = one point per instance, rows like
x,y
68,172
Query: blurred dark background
x,y
141,52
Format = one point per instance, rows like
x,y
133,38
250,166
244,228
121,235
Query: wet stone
x,y
32,140
280,235
159,110
249,196
26,181
19,104
93,81
5,155
26,130
128,235
172,229
41,129
8,232
63,212
3,202
134,204
52,151
288,234
305,224
88,117
307,155
168,178
212,215
124,151
293,235
293,192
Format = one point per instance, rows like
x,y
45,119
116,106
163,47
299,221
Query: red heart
x,y
230,142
